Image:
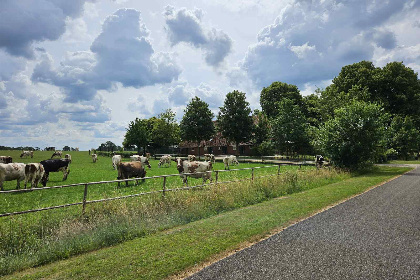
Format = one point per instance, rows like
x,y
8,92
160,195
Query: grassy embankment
x,y
161,254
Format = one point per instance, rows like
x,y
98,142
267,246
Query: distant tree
x,y
138,134
234,120
262,128
352,138
107,146
289,128
312,109
197,123
275,93
66,148
165,130
403,137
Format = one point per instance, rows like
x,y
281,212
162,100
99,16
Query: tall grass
x,y
40,238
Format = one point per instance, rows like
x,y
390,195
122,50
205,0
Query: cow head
x,y
179,164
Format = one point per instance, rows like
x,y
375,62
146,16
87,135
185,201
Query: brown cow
x,y
33,173
133,169
195,169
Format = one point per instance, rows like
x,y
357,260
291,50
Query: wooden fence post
x,y
278,170
217,175
164,186
252,174
84,199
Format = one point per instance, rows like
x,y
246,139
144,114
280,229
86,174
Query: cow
x,y
230,160
209,157
68,156
116,159
94,157
148,155
142,159
27,154
165,159
127,170
191,157
57,154
55,165
10,172
6,159
33,174
319,161
199,169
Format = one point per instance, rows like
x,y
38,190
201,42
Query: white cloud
x,y
185,26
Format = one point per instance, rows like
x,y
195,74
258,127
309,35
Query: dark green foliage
x,y
262,128
165,130
234,120
138,134
352,138
403,137
275,93
289,128
197,124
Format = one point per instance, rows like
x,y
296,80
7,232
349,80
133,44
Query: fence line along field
x,y
83,170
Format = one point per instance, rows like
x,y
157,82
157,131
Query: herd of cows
x,y
34,173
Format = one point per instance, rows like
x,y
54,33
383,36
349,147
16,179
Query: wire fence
x,y
163,191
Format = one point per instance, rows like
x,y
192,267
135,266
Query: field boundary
x,y
162,191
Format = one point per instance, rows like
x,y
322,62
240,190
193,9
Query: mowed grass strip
x,y
183,248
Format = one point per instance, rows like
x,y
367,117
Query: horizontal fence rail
x,y
163,190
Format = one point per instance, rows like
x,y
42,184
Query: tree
x,y
403,137
352,138
234,120
262,128
197,124
107,146
165,130
138,134
289,128
275,93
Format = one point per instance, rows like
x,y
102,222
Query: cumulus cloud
x,y
38,20
185,26
122,53
312,40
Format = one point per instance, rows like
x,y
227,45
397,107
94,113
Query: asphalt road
x,y
373,236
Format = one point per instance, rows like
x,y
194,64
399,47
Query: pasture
x,y
83,170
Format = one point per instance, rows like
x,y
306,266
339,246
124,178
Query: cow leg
x,y
65,173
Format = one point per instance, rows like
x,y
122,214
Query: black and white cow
x,y
55,165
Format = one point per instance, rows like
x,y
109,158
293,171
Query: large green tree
x,y
403,137
289,128
138,134
276,92
197,123
165,131
234,120
352,138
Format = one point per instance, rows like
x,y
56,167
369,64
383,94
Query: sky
x,y
77,72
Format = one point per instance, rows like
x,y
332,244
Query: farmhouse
x,y
218,145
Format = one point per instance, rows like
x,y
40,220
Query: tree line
x,y
367,114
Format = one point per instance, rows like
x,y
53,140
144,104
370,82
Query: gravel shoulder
x,y
372,236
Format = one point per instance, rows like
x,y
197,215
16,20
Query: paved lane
x,y
373,236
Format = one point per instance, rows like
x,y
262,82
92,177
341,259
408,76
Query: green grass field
x,y
82,170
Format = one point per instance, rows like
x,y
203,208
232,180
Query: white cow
x,y
27,154
68,156
230,160
165,159
209,157
199,169
116,159
94,157
12,171
33,174
191,157
142,159
57,154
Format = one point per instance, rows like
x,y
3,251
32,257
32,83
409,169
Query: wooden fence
x,y
164,189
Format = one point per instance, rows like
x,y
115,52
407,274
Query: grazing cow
x,y
6,159
10,172
27,154
142,159
94,157
68,156
116,159
165,159
230,160
33,173
191,157
57,154
319,161
55,165
127,170
200,169
209,157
